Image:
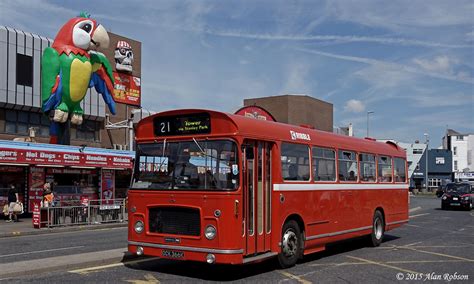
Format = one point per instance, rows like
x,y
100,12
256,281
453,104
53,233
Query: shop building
x,y
297,110
462,147
77,173
92,167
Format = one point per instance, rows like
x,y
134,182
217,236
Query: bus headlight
x,y
139,226
210,232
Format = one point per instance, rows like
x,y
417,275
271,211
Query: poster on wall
x,y
127,89
36,181
107,190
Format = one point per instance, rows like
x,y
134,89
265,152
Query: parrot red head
x,y
79,35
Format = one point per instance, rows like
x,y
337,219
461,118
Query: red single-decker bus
x,y
222,188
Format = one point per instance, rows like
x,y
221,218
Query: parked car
x,y
443,188
459,195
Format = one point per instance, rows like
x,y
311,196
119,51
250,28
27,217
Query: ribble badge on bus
x,y
199,123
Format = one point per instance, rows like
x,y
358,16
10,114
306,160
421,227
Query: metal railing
x,y
95,212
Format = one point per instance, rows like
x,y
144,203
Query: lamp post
x,y
427,140
369,112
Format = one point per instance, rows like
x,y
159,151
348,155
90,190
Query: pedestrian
x,y
48,195
12,201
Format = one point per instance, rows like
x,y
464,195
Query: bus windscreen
x,y
187,165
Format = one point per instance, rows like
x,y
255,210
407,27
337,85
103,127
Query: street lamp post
x,y
369,112
427,140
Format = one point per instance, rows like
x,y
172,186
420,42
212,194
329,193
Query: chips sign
x,y
36,157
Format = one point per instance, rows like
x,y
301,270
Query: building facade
x,y
462,147
297,110
90,164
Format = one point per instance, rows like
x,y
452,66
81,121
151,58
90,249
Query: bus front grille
x,y
175,220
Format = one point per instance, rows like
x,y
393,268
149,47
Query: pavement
x,y
25,227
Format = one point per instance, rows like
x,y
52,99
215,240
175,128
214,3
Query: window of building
x,y
400,170
24,70
18,122
384,169
347,166
417,167
294,161
324,164
459,138
455,151
89,130
455,165
367,167
417,151
434,182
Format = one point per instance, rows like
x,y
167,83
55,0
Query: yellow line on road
x,y
439,254
382,264
96,268
297,278
418,215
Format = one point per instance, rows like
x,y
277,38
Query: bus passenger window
x,y
294,161
367,167
400,173
347,166
384,169
324,164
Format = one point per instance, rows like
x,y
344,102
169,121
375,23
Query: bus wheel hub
x,y
290,243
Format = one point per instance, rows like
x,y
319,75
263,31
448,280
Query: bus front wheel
x,y
291,244
378,229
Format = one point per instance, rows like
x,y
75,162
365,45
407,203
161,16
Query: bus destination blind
x,y
182,125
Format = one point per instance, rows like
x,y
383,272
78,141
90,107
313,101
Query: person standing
x,y
12,201
47,195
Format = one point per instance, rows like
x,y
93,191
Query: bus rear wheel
x,y
378,229
291,244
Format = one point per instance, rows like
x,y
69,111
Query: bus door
x,y
257,196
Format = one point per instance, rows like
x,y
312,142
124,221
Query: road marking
x,y
412,244
382,264
82,230
418,215
414,209
297,278
97,268
39,251
386,262
149,279
439,254
461,246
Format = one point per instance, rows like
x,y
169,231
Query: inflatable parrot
x,y
68,68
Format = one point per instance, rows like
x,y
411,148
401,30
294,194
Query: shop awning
x,y
12,152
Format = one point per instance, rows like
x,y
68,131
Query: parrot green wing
x,y
49,75
99,60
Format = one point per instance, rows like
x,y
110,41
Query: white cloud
x,y
354,106
390,66
441,64
297,79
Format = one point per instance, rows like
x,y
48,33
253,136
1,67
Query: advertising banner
x,y
36,157
127,89
36,181
107,190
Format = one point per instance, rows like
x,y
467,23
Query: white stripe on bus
x,y
336,186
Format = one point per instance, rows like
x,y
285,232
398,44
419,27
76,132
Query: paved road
x,y
435,244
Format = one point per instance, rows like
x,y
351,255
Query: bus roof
x,y
272,131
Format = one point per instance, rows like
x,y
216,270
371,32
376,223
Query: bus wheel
x,y
378,229
291,245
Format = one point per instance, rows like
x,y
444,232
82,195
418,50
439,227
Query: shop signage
x,y
37,157
36,181
108,190
127,89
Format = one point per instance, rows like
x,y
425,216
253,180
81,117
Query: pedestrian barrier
x,y
94,212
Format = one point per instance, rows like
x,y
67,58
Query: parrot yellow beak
x,y
100,38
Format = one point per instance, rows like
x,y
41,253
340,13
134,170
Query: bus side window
x,y
384,169
295,162
324,164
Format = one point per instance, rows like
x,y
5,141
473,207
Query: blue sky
x,y
411,62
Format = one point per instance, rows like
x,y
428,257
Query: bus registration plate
x,y
172,254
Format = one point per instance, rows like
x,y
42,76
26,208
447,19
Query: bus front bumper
x,y
209,255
